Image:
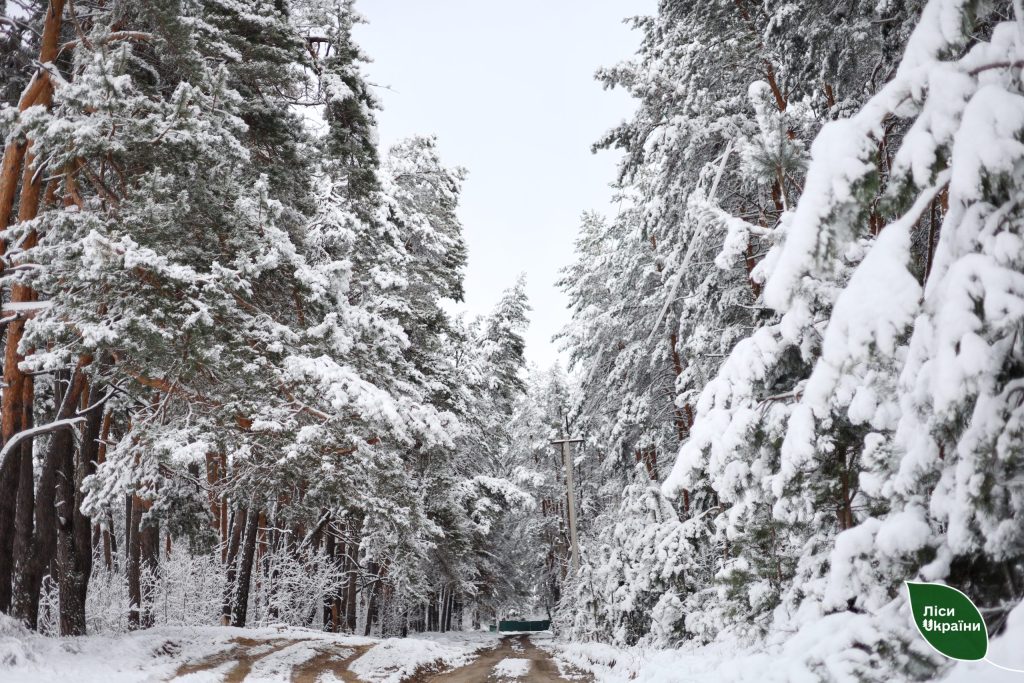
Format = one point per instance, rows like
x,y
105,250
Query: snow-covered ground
x,y
511,667
209,654
723,663
394,659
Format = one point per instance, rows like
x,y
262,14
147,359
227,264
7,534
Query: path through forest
x,y
515,658
237,663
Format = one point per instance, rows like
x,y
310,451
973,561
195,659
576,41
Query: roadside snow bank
x,y
157,654
813,653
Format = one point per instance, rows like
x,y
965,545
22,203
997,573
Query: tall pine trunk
x,y
143,562
149,551
68,565
352,558
12,406
241,607
330,605
37,553
230,562
134,551
74,537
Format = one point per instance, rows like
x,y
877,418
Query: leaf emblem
x,y
948,620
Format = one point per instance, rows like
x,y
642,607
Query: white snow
x,y
1003,651
396,658
812,654
157,654
511,668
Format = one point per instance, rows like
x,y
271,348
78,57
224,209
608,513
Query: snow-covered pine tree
x,y
926,379
212,276
730,94
841,468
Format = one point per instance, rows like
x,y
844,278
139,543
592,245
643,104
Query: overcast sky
x,y
508,89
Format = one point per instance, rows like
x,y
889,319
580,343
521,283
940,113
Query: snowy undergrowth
x,y
723,662
158,654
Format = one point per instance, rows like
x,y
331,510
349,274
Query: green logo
x,y
948,620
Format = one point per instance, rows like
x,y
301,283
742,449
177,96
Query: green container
x,y
524,625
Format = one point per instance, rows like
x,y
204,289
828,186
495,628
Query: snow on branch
x,y
33,432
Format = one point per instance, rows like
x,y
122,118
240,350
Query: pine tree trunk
x,y
30,567
101,531
86,465
231,557
72,606
330,606
224,526
110,545
39,91
443,610
373,569
24,518
134,549
149,550
451,609
370,604
127,526
339,590
213,476
74,539
352,558
35,556
241,606
143,563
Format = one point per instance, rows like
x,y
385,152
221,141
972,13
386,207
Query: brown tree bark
x,y
241,606
432,613
74,538
127,528
237,524
224,512
30,566
38,91
135,563
261,535
352,558
341,561
213,476
330,606
451,609
143,556
24,518
371,600
442,613
149,551
68,565
102,532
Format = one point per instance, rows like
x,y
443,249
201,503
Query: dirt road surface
x,y
514,659
237,662
488,666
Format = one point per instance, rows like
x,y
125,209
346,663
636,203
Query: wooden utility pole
x,y
571,498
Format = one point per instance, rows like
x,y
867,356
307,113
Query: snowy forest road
x,y
302,660
516,658
236,664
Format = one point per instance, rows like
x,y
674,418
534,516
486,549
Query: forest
x,y
236,396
